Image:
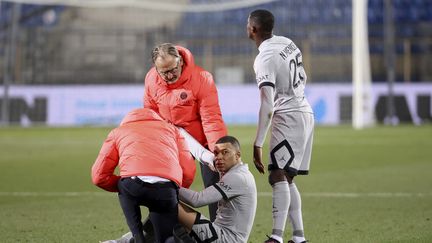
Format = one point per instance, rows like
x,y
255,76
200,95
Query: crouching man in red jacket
x,y
154,161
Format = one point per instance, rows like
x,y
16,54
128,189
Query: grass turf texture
x,y
373,185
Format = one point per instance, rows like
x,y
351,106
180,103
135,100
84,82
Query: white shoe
x,y
124,239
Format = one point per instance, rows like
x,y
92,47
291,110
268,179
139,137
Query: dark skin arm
x,y
258,159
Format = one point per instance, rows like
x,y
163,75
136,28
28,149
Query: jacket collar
x,y
142,114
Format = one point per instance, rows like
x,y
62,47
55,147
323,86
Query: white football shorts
x,y
291,142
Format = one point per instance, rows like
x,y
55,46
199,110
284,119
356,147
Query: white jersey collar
x,y
265,43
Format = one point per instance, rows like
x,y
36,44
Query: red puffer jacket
x,y
143,145
191,102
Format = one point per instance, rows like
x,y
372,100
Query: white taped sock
x,y
281,203
295,214
277,237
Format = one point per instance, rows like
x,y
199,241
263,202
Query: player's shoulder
x,y
277,39
245,178
269,50
239,173
265,57
277,44
247,174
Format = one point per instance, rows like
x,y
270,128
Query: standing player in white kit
x,y
281,78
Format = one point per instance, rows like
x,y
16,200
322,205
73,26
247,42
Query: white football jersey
x,y
236,194
279,65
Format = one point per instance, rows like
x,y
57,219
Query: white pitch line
x,y
54,194
355,195
260,194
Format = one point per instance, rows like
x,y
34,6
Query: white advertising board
x,y
76,105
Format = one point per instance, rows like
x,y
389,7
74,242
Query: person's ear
x,y
254,29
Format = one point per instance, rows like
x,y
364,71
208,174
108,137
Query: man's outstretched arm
x,y
200,153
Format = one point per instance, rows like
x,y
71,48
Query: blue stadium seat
x,y
30,16
300,19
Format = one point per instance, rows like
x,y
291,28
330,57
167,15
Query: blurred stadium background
x,y
48,52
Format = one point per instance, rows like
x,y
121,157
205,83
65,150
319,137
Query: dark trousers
x,y
160,198
209,178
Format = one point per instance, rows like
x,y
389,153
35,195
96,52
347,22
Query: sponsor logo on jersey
x,y
225,186
262,78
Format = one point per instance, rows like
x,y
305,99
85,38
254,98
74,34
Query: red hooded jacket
x,y
143,145
191,102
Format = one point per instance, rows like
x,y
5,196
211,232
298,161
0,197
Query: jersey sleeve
x,y
186,161
265,114
200,153
199,199
265,70
231,185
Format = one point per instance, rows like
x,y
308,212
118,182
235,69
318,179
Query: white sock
x,y
125,238
281,203
277,237
298,239
295,214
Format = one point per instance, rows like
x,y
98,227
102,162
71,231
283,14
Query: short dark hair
x,y
163,50
264,19
229,139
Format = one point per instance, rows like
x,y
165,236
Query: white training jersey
x,y
236,211
279,65
236,195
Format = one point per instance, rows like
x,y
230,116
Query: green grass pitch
x,y
373,185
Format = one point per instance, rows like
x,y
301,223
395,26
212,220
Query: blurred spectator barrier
x,y
76,105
